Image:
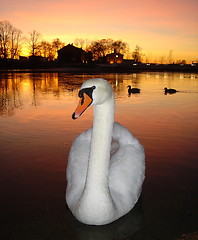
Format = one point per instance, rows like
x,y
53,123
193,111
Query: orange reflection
x,y
36,132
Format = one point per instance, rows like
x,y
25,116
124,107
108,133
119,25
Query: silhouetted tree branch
x,y
56,45
137,55
101,48
16,37
10,38
33,42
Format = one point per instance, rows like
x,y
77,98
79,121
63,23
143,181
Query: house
x,y
114,58
72,54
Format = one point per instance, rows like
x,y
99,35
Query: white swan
x,y
106,163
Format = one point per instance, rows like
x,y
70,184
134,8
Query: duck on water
x,y
169,90
133,90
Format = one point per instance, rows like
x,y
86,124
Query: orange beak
x,y
83,104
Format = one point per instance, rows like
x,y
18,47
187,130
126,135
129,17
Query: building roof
x,y
70,48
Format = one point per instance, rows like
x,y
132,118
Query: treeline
x,y
12,42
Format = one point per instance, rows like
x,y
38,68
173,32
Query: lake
x,y
36,132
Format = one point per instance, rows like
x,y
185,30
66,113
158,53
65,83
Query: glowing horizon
x,y
156,26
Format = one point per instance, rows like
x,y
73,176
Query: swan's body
x,y
133,90
170,90
106,163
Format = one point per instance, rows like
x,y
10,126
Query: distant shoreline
x,y
99,68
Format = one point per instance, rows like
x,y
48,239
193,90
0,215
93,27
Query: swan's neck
x,y
97,176
96,205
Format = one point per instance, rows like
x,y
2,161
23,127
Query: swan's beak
x,y
83,104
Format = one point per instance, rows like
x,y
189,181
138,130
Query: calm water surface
x,y
36,132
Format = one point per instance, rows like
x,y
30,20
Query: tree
x,y
101,48
10,38
97,49
120,47
34,42
127,53
49,50
137,55
82,43
5,30
44,49
16,37
56,45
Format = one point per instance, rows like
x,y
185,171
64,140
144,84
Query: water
x,y
36,132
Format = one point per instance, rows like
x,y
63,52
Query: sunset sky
x,y
156,26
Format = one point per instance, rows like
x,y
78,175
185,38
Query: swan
x,y
170,90
133,90
106,164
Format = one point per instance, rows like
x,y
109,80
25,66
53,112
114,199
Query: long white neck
x,y
100,145
96,202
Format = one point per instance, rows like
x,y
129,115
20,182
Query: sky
x,y
159,27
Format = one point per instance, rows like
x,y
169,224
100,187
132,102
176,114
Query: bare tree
x,y
16,37
44,49
5,30
101,48
107,45
33,42
97,49
120,46
82,43
56,45
137,55
127,53
49,50
10,38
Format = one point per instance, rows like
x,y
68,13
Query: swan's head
x,y
92,92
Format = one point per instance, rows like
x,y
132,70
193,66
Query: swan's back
x,y
127,169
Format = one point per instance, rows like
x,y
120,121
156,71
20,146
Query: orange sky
x,y
156,26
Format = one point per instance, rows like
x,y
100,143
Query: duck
x,y
106,163
170,90
133,90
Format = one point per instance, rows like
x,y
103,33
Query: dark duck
x,y
169,90
133,90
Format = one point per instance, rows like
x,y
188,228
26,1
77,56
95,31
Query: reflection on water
x,y
36,132
19,89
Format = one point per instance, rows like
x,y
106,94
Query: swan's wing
x,y
77,167
127,168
